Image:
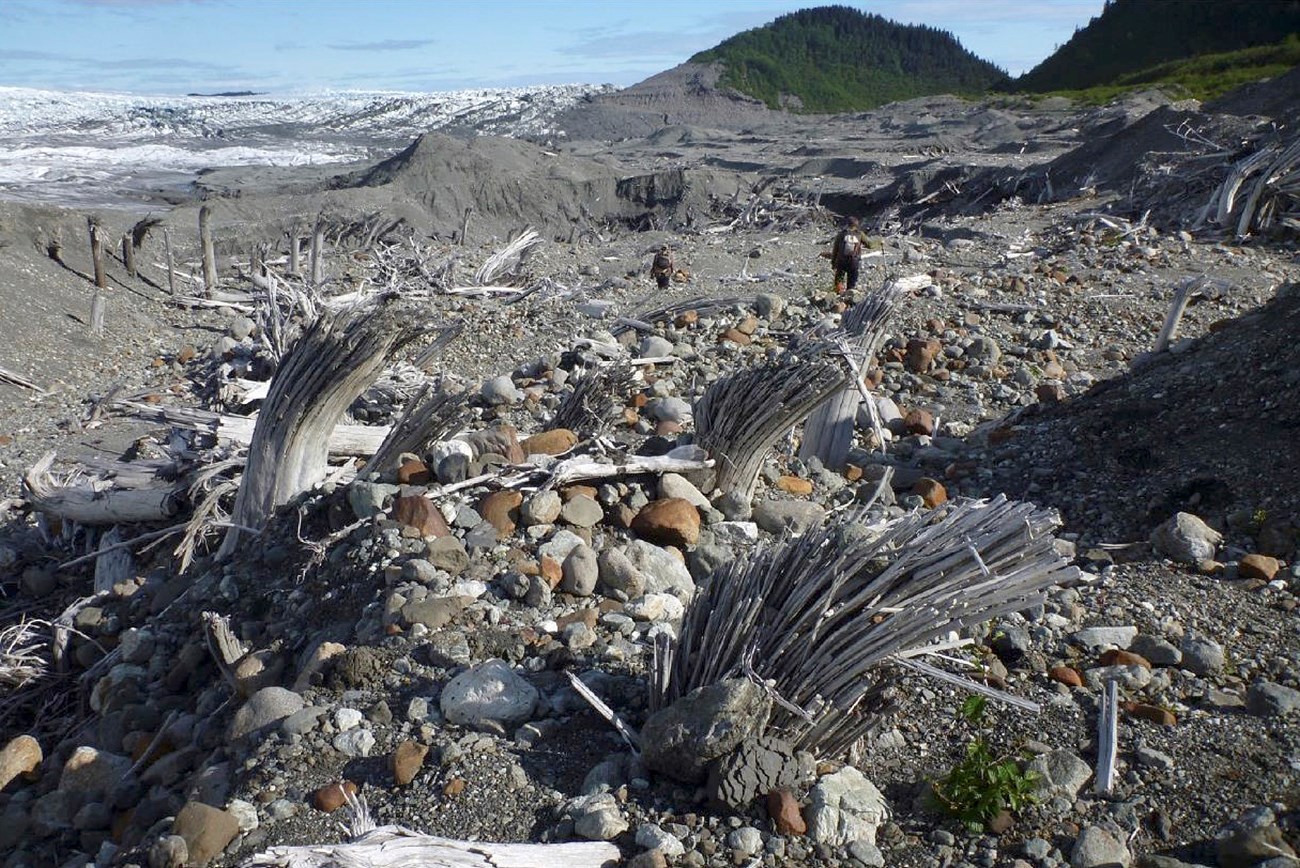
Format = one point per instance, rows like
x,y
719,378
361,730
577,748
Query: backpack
x,y
847,247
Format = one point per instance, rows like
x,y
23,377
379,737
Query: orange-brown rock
x,y
921,353
686,319
569,492
852,472
919,422
414,472
1118,657
552,571
794,485
1153,713
407,760
501,510
420,513
783,809
454,787
931,491
748,325
1257,566
1067,675
873,378
20,757
673,521
586,616
553,442
187,354
667,427
330,797
736,337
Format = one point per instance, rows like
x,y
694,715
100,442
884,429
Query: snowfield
x,y
116,149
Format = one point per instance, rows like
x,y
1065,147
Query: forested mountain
x,y
834,59
1130,36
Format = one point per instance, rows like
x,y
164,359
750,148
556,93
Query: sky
x,y
292,46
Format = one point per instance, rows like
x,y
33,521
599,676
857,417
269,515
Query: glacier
x,y
131,151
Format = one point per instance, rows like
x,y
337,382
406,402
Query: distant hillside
x,y
835,59
1131,36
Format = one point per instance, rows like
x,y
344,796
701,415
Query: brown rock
x,y
454,787
686,319
552,571
207,831
553,442
1066,675
569,492
783,808
1002,822
736,337
1153,713
421,514
1117,657
919,422
667,427
921,353
673,521
1053,370
873,377
501,510
1050,393
794,485
330,797
852,472
652,858
931,491
407,760
748,325
187,354
630,416
414,472
586,616
1256,566
501,440
21,756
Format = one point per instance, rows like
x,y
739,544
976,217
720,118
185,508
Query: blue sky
x,y
177,46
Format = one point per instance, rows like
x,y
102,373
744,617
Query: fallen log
x,y
97,502
7,376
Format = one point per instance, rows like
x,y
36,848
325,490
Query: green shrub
x,y
982,784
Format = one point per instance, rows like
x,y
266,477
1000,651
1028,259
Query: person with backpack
x,y
662,267
846,251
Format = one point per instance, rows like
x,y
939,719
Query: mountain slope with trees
x,y
835,59
1131,36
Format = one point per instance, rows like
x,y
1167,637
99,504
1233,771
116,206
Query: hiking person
x,y
846,251
662,267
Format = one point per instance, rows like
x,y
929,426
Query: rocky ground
x,y
420,654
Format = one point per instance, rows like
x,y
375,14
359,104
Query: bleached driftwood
x,y
742,415
1182,295
431,414
96,502
683,459
629,735
1107,738
343,441
322,374
7,376
512,254
1272,197
828,432
825,614
114,564
399,847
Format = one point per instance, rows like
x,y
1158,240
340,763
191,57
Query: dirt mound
x,y
509,182
1277,98
685,94
1207,430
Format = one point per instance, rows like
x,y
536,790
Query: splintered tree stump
x,y
331,363
318,253
295,253
209,255
128,254
97,252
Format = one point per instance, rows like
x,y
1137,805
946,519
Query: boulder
x,y
845,807
487,694
1186,539
681,740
